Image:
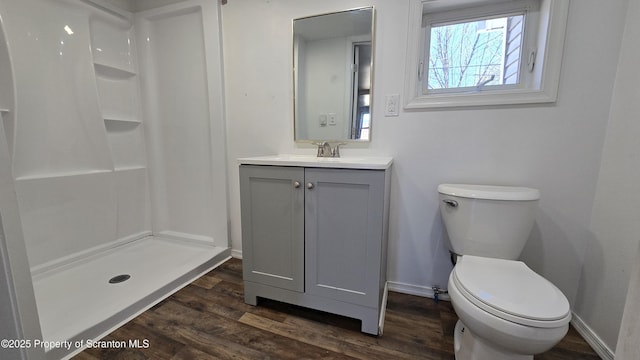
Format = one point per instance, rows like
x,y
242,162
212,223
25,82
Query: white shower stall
x,y
114,136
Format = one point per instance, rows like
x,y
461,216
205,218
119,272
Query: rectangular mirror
x,y
333,61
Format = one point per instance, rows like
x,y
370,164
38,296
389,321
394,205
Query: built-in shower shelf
x,y
131,122
51,175
130,168
114,72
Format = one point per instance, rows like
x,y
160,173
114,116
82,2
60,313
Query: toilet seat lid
x,y
511,290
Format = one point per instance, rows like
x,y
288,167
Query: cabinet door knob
x,y
309,185
296,184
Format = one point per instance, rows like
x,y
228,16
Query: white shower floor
x,y
78,302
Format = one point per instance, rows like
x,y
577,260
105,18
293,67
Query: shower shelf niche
x,y
111,71
115,121
126,141
59,174
130,168
118,98
118,91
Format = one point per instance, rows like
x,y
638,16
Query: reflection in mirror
x,y
332,76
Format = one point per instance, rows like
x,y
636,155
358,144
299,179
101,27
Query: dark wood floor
x,y
209,320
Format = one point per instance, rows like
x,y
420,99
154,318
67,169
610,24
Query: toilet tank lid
x,y
490,192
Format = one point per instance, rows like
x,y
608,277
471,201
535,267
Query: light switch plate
x,y
322,119
391,105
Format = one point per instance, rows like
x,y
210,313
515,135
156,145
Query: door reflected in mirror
x,y
333,60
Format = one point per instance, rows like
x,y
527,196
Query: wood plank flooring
x,y
209,320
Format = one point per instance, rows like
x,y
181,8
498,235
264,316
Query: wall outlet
x,y
391,105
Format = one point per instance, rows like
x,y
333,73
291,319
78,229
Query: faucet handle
x,y
320,146
335,152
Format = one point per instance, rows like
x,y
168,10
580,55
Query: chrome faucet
x,y
325,150
335,152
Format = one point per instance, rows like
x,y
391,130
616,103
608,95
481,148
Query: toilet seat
x,y
512,291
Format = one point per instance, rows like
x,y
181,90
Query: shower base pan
x,y
90,298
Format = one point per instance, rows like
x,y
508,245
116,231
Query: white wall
x,y
139,5
556,148
627,347
122,4
615,230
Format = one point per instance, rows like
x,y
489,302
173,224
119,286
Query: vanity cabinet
x,y
316,237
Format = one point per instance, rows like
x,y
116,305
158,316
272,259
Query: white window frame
x,y
528,8
546,36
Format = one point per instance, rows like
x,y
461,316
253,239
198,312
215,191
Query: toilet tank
x,y
486,220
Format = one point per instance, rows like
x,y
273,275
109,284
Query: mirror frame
x,y
371,78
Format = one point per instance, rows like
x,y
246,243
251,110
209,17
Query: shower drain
x,y
119,278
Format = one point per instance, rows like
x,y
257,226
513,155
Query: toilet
x,y
506,310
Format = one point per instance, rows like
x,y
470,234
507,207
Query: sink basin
x,y
364,162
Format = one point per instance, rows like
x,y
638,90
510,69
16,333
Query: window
x,y
484,52
473,54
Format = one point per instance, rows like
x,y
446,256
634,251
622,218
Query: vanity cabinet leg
x,y
370,323
249,296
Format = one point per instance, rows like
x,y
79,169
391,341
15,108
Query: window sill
x,y
475,99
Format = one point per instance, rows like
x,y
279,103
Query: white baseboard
x,y
417,290
237,254
383,309
592,338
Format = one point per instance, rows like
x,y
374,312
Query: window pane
x,y
476,53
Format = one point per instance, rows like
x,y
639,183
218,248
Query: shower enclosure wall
x,y
114,130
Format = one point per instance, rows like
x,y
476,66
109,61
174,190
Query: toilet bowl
x,y
506,311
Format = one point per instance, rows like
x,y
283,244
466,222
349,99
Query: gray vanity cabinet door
x,y
272,212
343,233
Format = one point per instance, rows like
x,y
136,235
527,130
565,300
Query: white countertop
x,y
347,162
